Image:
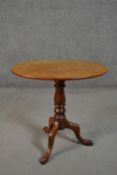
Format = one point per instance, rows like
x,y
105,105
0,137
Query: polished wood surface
x,y
59,69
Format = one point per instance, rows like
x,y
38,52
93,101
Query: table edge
x,y
68,79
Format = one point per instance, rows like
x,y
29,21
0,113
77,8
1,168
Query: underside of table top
x,y
68,69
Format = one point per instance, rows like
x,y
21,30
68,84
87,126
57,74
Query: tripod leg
x,y
76,129
51,123
51,139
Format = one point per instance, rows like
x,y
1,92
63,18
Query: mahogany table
x,y
59,71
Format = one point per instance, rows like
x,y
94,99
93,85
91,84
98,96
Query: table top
x,y
68,69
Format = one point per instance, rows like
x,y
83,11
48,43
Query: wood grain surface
x,y
59,69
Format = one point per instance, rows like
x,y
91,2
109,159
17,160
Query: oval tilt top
x,y
55,69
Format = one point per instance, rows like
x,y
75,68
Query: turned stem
x,y
59,99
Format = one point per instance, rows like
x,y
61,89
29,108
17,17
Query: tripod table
x,y
59,71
